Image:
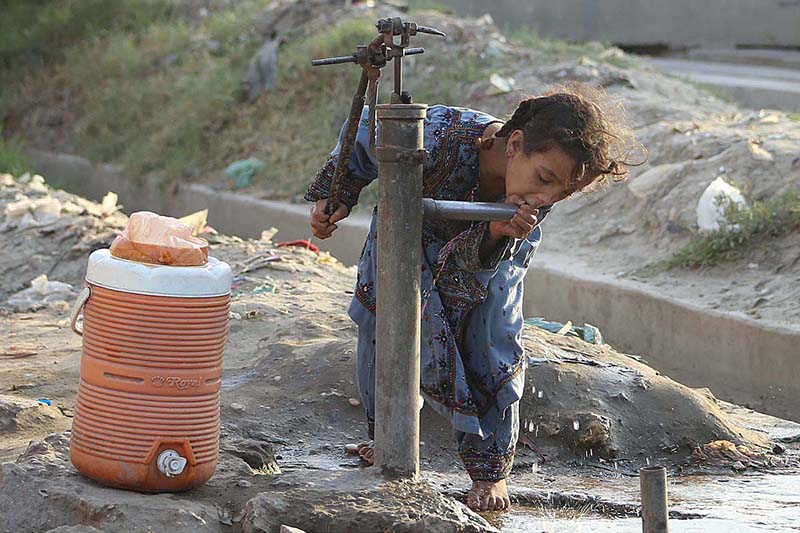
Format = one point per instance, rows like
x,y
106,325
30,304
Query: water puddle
x,y
740,504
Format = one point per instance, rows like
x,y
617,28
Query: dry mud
x,y
288,406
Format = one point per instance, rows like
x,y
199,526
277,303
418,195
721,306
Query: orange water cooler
x,y
148,404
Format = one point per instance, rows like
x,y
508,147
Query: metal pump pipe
x,y
400,156
397,369
453,210
655,516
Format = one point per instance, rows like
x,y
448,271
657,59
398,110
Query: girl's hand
x,y
520,225
322,225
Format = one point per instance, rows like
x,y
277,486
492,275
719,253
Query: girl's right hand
x,y
520,225
322,225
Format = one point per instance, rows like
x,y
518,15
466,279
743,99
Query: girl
x,y
472,360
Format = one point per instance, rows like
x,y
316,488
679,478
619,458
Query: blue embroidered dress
x,y
472,361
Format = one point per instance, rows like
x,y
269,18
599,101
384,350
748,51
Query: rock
x,y
263,65
42,490
289,529
214,47
238,407
42,291
244,484
759,153
344,502
355,402
592,432
74,529
259,455
27,213
650,180
21,413
500,84
621,396
738,466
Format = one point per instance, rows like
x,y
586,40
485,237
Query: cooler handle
x,y
77,309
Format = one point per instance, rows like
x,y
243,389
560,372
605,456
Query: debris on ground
x,y
726,454
242,171
262,70
587,332
290,405
714,202
41,292
58,248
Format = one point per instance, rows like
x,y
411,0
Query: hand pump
x,y
400,156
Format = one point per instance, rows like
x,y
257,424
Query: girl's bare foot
x,y
365,450
488,496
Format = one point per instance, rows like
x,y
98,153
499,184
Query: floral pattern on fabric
x,y
491,465
472,363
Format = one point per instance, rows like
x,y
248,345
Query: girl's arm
x,y
475,250
483,245
362,169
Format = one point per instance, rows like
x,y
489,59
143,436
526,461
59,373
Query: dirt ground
x,y
628,227
289,405
691,135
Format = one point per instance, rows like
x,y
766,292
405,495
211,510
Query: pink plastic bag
x,y
151,238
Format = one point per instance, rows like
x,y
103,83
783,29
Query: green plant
x,y
36,31
743,228
429,5
12,158
551,49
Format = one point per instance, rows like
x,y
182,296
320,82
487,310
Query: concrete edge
x,y
740,359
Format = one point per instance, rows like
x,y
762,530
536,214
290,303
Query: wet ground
x,y
728,502
740,504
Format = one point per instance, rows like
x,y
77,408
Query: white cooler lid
x,y
211,279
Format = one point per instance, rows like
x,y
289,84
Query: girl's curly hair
x,y
586,124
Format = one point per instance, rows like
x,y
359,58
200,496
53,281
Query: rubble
x,y
42,291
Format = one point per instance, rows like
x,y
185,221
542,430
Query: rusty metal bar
x,y
353,58
346,149
653,483
398,289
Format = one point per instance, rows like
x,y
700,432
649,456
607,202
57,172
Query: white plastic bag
x,y
712,204
41,291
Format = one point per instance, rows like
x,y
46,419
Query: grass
x,y
743,229
141,84
12,158
428,5
554,49
155,99
38,31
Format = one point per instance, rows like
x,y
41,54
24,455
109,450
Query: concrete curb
x,y
741,360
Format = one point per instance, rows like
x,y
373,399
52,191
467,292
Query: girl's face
x,y
541,178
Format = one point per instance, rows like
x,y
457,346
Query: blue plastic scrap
x,y
588,332
242,171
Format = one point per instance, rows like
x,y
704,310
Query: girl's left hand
x,y
521,224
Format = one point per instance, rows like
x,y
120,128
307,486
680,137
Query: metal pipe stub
x,y
397,366
655,515
452,210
